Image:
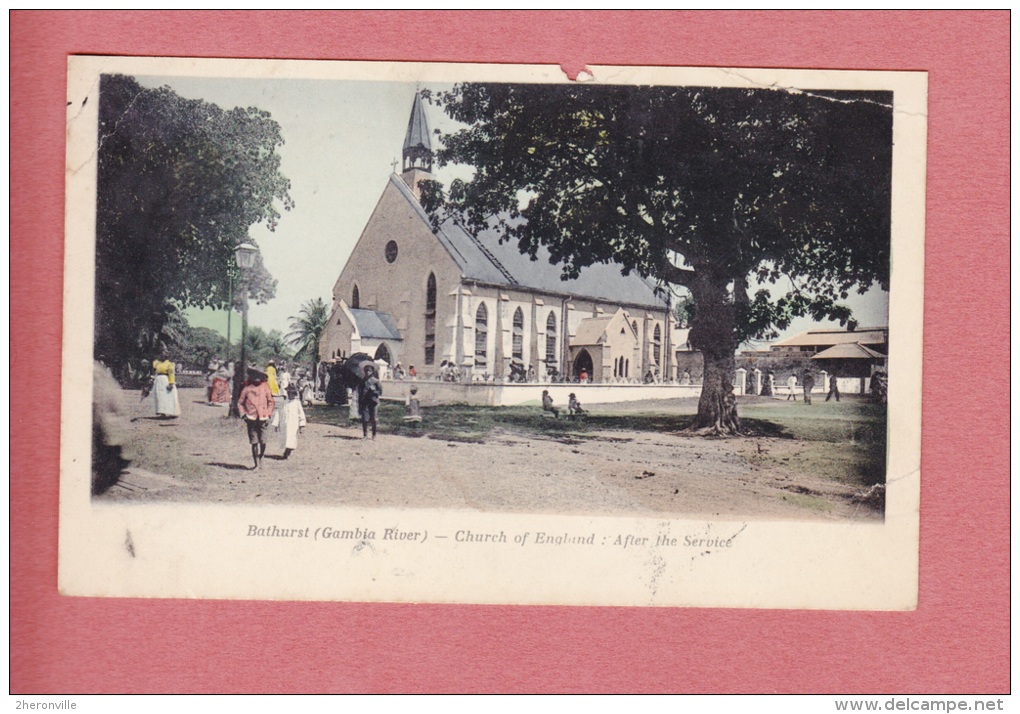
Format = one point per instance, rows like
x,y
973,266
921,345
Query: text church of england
x,y
421,297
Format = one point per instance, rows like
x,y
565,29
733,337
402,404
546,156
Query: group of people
x,y
878,386
807,385
272,397
807,382
573,405
399,373
448,372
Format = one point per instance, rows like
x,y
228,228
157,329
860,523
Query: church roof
x,y
417,127
482,257
375,324
590,331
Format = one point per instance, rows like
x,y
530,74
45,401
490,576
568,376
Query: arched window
x,y
430,294
634,325
518,346
355,298
550,340
481,336
430,320
657,345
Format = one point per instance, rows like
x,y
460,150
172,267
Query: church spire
x,y
417,144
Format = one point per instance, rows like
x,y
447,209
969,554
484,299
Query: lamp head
x,y
245,254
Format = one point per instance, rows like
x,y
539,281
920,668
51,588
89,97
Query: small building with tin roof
x,y
815,341
850,360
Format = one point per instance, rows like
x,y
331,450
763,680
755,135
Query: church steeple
x,y
417,144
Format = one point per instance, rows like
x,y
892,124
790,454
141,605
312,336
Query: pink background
x,y
957,640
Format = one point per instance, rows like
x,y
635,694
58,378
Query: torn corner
x,y
577,72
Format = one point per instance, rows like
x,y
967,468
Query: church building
x,y
415,295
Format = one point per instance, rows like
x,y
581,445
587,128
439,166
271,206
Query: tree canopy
x,y
180,182
714,192
262,346
199,345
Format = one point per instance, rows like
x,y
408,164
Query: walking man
x,y
256,405
369,392
833,388
809,384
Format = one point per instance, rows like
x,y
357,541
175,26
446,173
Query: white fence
x,y
503,395
434,392
846,385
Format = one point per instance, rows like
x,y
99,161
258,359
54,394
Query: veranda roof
x,y
849,350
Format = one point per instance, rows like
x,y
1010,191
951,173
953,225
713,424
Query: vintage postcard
x,y
486,334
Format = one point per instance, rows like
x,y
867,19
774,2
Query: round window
x,y
391,251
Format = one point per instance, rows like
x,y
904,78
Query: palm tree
x,y
306,328
256,344
276,344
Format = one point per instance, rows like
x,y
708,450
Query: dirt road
x,y
203,456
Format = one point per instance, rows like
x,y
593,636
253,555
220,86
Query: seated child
x,y
547,404
413,407
574,406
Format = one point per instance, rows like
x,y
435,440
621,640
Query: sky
x,y
341,139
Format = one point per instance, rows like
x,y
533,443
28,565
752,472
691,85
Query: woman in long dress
x,y
210,372
274,389
292,419
305,391
164,390
336,391
221,384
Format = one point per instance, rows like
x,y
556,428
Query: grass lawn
x,y
844,441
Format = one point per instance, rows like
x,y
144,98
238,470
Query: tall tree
x,y
261,346
180,182
714,192
306,329
199,345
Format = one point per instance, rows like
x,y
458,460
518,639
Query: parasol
x,y
353,369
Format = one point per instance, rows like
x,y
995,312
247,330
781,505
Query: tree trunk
x,y
717,408
713,334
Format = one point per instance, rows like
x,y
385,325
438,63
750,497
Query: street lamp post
x,y
668,357
230,304
244,254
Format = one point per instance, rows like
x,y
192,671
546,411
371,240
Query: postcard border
x,y
964,577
